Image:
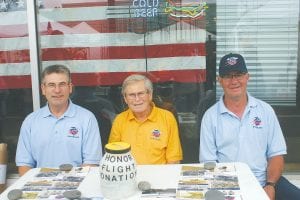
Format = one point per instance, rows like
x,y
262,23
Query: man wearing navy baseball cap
x,y
241,128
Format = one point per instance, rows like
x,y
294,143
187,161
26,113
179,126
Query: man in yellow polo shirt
x,y
152,132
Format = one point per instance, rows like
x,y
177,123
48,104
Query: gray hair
x,y
58,69
136,78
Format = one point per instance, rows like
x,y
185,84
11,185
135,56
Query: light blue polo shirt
x,y
224,137
48,141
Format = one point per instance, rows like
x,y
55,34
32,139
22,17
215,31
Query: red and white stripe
x,y
100,50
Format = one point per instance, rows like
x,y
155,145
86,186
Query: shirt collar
x,y
251,104
70,112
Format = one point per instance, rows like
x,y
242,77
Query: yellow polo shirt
x,y
154,141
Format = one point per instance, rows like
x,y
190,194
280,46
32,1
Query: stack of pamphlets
x,y
195,181
51,183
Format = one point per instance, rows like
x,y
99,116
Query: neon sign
x,y
145,8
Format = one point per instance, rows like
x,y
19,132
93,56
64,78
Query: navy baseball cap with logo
x,y
232,63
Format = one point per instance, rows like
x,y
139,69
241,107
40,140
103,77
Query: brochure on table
x,y
51,183
195,181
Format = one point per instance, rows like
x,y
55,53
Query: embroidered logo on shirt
x,y
155,134
73,132
257,122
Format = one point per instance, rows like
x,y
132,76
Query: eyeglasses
x,y
238,76
133,96
61,85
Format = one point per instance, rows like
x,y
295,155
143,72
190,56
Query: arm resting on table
x,y
274,171
23,169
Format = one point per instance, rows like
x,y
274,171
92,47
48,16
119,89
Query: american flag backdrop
x,y
104,41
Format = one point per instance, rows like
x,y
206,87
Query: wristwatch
x,y
270,183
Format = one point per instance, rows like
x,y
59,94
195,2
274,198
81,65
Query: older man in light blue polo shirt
x,y
241,128
60,132
251,139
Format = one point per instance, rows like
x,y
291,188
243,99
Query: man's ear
x,y
248,76
43,88
218,79
71,87
151,96
124,99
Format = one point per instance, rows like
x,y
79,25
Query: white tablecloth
x,y
159,176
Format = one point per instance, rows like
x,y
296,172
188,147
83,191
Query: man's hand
x,y
270,190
